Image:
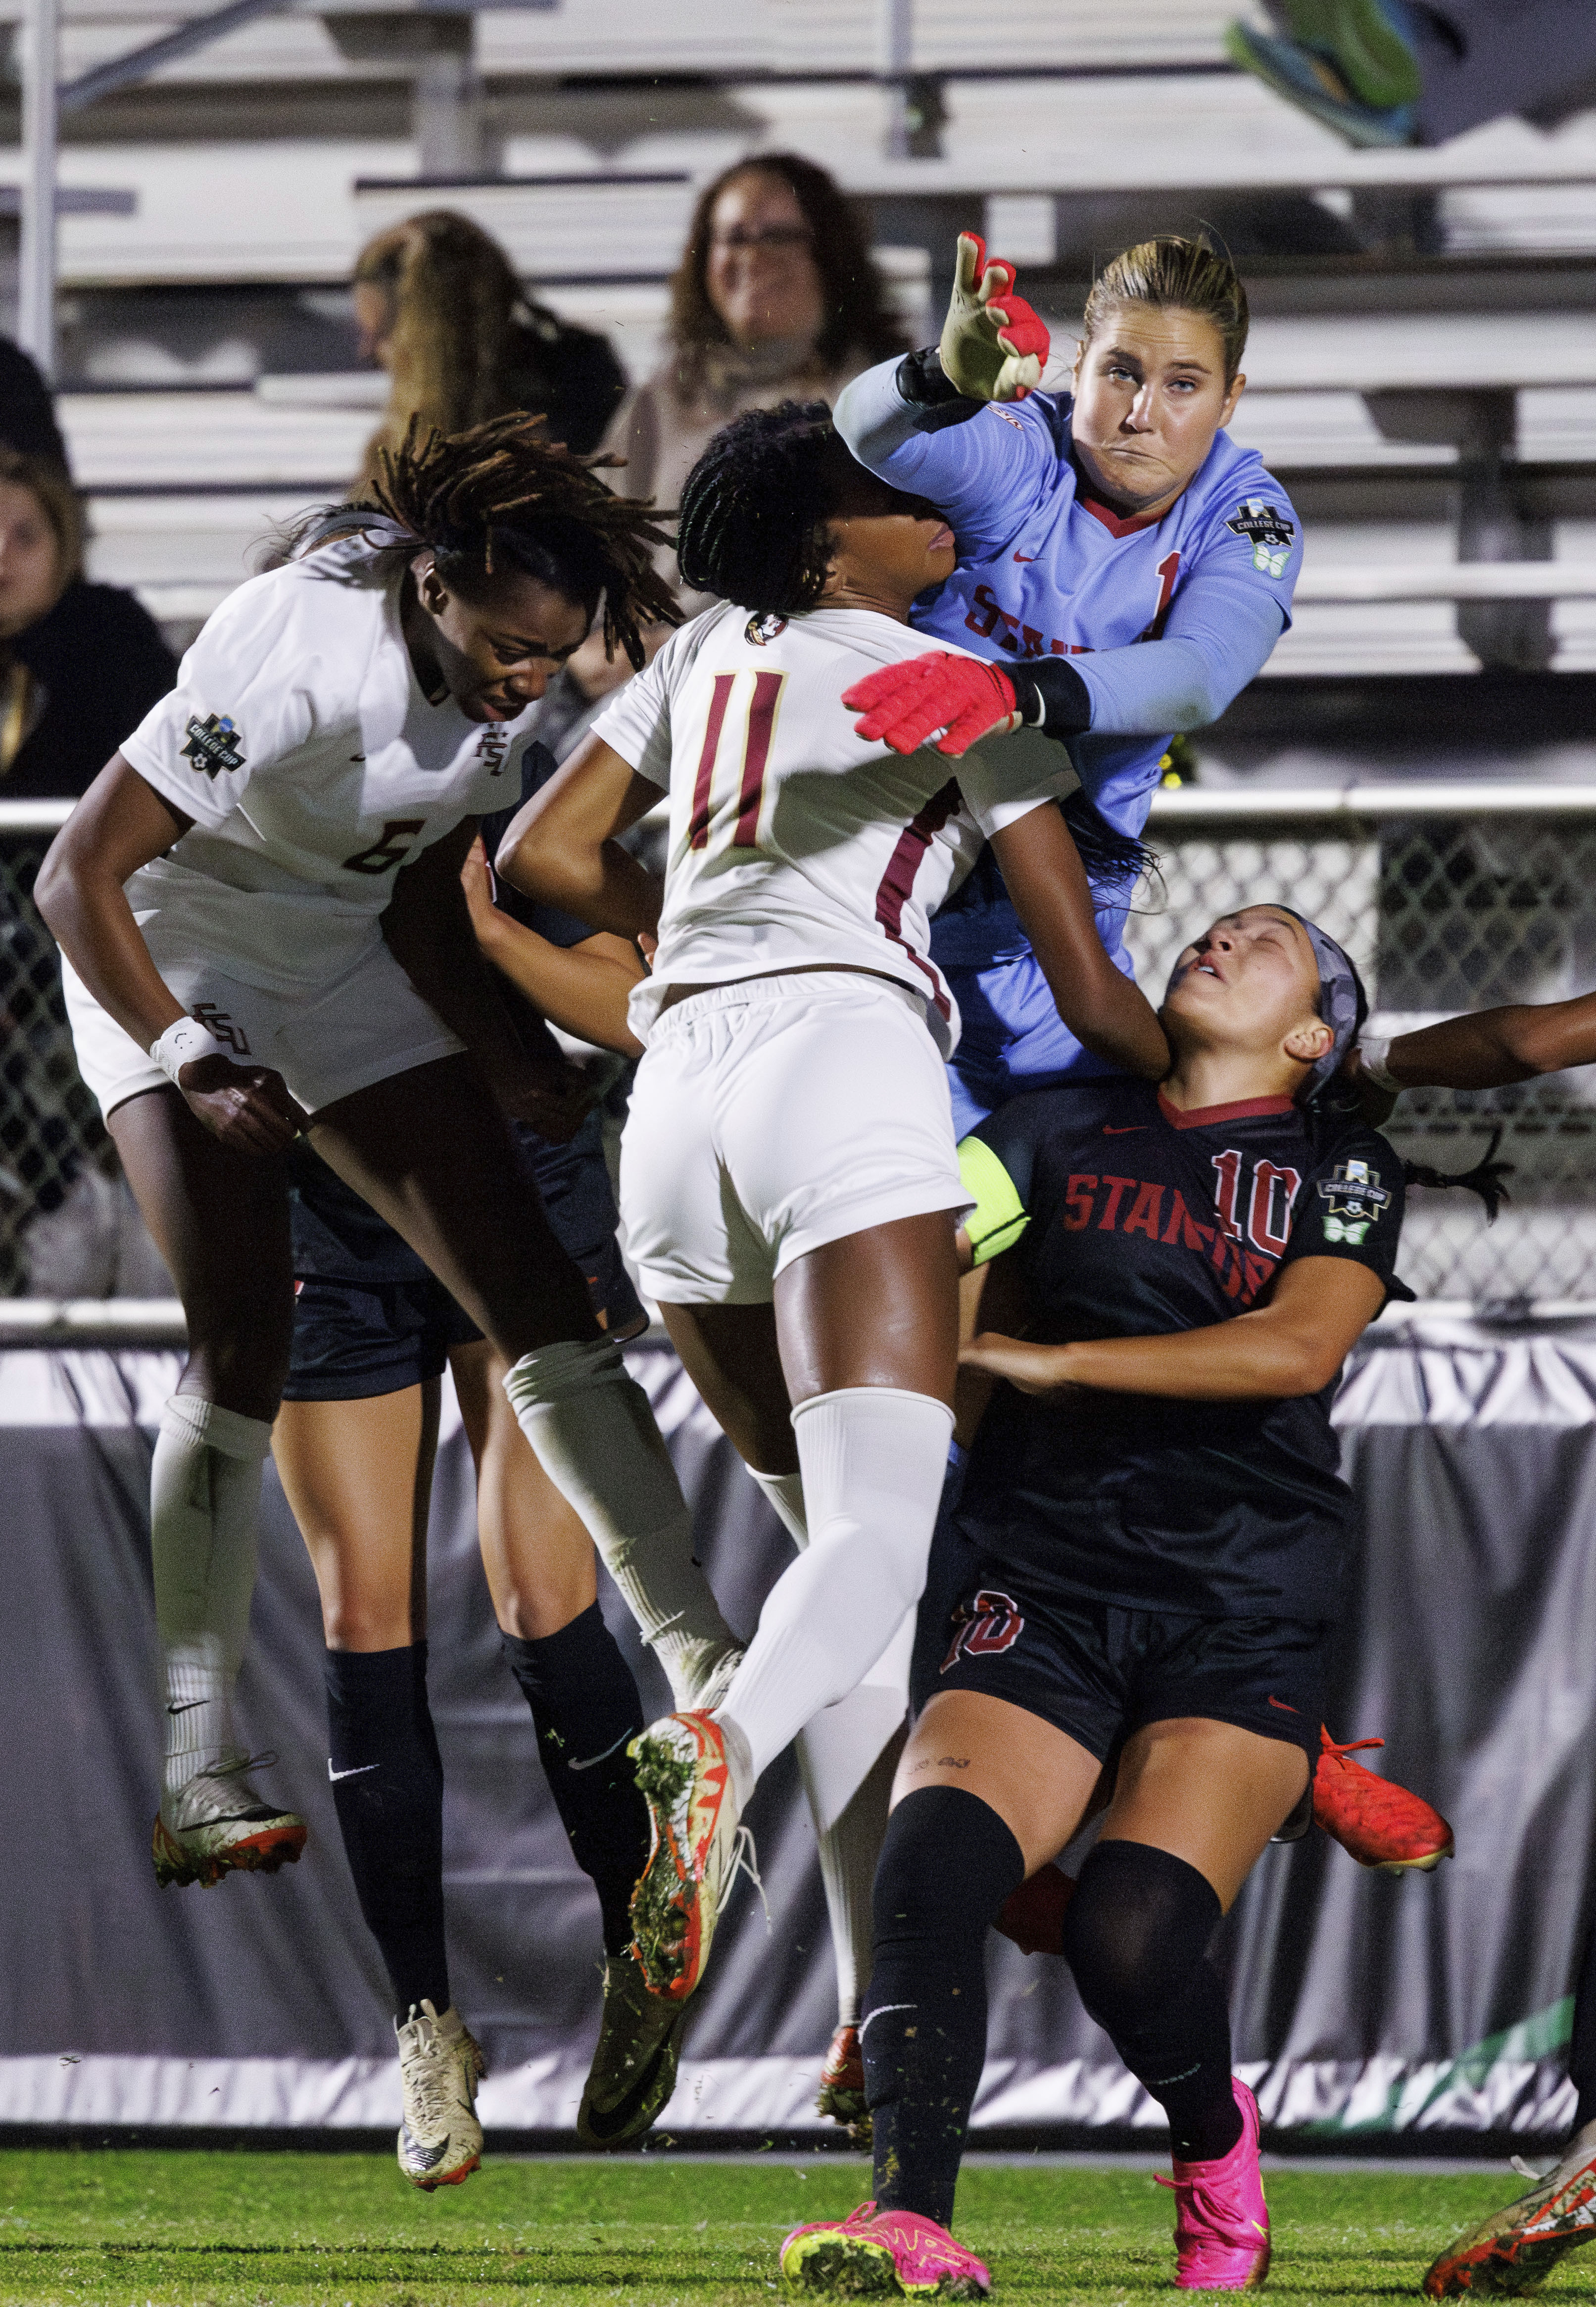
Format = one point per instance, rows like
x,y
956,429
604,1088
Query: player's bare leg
x,y
357,1474
220,1220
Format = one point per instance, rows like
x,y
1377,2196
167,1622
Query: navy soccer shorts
x,y
394,1328
1099,1672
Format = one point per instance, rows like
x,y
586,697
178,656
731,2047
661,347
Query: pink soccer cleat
x,y
894,2253
1221,2221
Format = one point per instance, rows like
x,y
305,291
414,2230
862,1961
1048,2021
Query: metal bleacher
x,y
209,369
1421,380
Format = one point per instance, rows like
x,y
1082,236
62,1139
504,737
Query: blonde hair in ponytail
x,y
1173,271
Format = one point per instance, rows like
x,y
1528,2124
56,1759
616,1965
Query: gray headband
x,y
1342,1002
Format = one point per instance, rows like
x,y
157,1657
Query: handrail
x,y
26,1323
1199,805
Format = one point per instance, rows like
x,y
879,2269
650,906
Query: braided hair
x,y
501,497
755,507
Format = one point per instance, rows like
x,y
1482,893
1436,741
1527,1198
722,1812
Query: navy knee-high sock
x,y
1135,1935
1582,2050
586,1706
946,1865
388,1790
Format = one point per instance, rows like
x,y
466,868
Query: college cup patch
x,y
1356,1197
1267,530
213,744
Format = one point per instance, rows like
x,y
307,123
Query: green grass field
x,y
179,2230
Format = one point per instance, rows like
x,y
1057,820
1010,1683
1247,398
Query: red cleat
x,y
1376,1822
842,2086
1032,1916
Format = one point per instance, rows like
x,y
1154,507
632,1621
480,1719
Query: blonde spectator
x,y
775,298
438,306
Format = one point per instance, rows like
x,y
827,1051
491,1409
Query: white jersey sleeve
x,y
247,695
1009,777
637,723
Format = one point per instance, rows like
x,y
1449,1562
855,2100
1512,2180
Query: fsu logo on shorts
x,y
213,744
991,1623
760,630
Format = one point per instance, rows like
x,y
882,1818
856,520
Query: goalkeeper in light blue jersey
x,y
1125,567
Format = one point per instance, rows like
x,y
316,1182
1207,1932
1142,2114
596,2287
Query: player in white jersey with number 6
x,y
260,906
789,1184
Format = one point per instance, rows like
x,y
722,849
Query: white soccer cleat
x,y
217,1824
439,2139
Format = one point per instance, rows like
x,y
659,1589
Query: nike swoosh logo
x,y
593,1761
1122,1128
1281,1704
1025,556
359,1770
187,1706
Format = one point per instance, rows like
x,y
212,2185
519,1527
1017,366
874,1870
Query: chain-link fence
x,y
1446,900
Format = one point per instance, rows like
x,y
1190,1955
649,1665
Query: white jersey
x,y
300,742
793,841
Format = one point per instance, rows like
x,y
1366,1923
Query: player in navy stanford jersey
x,y
1175,1275
260,907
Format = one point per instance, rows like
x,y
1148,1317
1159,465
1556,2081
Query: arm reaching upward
x,y
1047,881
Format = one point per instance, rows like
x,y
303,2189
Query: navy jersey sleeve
x,y
1350,1204
562,928
998,1163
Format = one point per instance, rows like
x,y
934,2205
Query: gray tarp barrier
x,y
1362,2003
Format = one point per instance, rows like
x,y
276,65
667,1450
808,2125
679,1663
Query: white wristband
x,y
183,1040
1372,1053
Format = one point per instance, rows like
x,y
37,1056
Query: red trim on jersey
x,y
720,696
1208,1117
898,881
1114,523
761,723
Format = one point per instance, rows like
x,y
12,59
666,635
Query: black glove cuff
x,y
924,383
1067,702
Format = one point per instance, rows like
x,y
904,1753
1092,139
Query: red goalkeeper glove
x,y
994,347
904,704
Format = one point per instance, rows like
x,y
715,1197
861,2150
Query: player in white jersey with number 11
x,y
789,1182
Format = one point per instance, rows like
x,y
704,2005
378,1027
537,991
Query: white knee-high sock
x,y
873,1458
847,1756
595,1439
204,1505
785,1494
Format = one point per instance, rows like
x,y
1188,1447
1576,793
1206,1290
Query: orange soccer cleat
x,y
842,2086
1376,1822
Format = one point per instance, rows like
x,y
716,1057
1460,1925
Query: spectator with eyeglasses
x,y
775,298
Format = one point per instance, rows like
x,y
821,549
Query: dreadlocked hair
x,y
1487,1177
499,497
755,507
1110,858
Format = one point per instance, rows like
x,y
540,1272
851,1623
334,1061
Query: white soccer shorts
x,y
366,1026
772,1117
